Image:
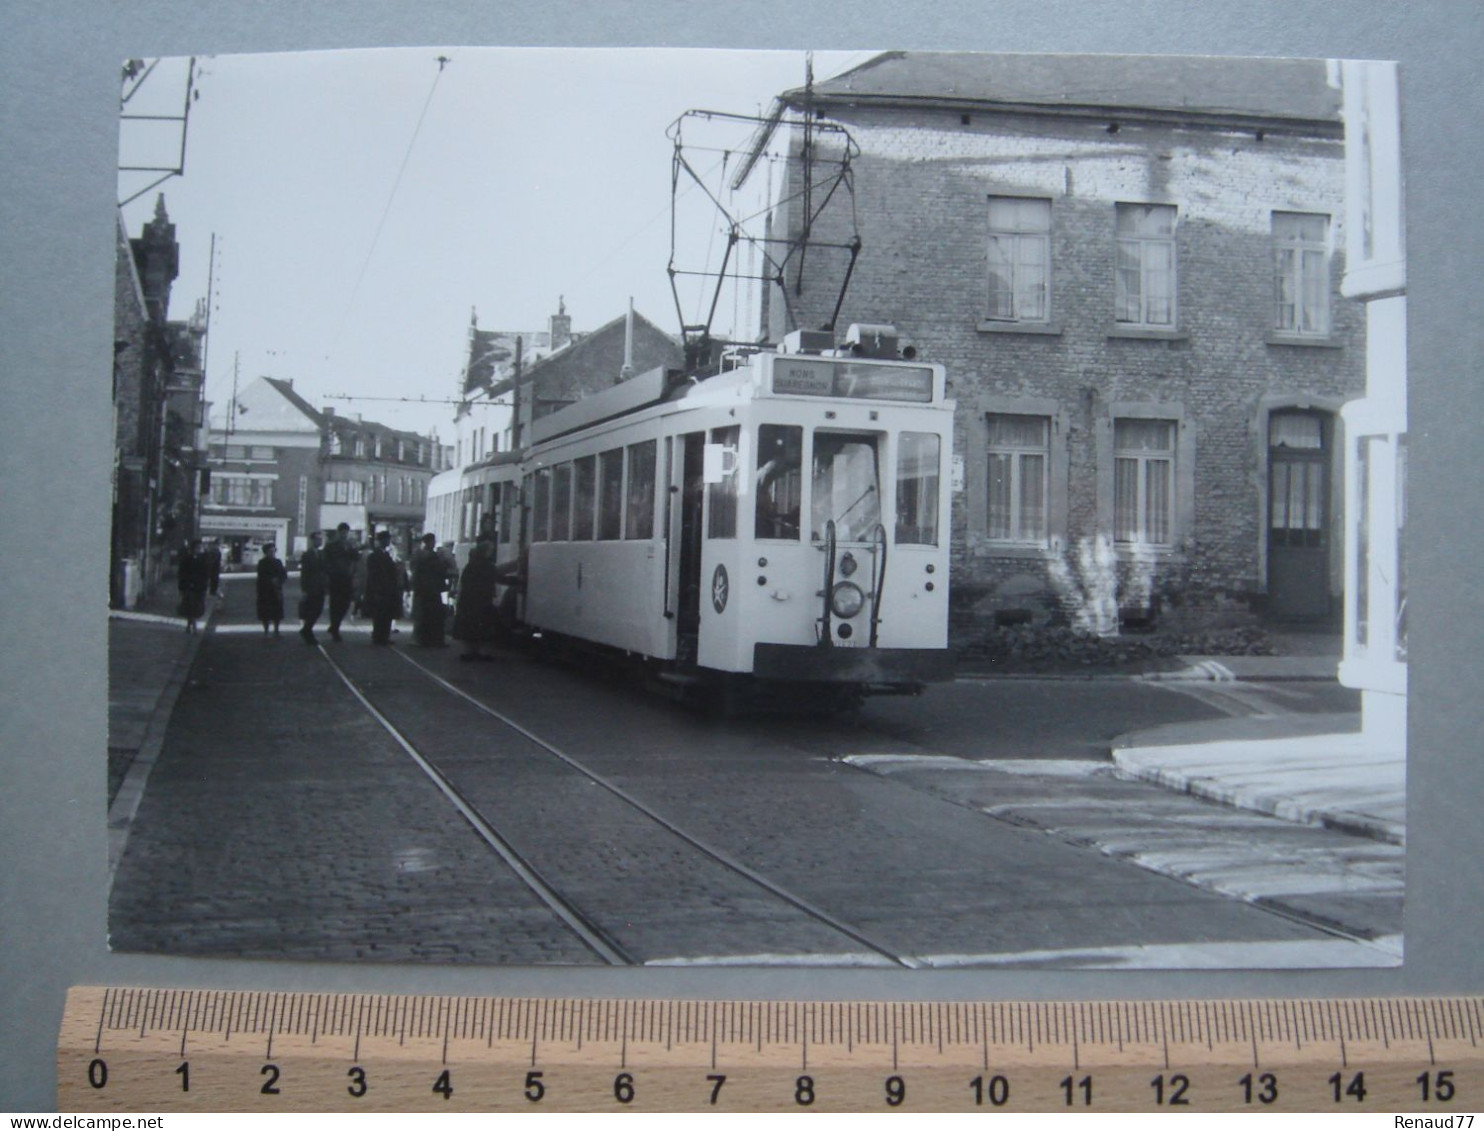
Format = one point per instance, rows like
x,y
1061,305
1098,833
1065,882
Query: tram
x,y
783,522
481,500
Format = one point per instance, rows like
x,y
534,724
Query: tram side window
x,y
780,479
561,502
844,486
584,496
640,516
507,511
723,496
917,489
610,494
541,507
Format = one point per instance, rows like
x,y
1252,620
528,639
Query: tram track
x,y
584,922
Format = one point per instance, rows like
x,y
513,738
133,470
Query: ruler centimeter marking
x,y
126,1049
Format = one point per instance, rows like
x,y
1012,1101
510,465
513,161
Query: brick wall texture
x,y
922,184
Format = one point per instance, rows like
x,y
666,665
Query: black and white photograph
x,y
468,602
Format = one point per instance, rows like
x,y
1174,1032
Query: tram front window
x,y
780,449
845,487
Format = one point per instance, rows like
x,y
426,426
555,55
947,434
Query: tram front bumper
x,y
804,663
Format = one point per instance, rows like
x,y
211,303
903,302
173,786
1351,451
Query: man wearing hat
x,y
382,600
341,556
429,582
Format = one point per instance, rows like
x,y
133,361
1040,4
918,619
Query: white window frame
x,y
1017,234
1016,454
1146,248
1144,458
1306,275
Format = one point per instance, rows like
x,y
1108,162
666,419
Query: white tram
x,y
785,520
478,501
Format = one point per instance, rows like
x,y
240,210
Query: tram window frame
x,y
780,458
584,497
610,495
541,505
819,519
923,489
507,511
721,497
561,502
639,489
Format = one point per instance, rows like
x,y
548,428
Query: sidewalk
x,y
149,656
1317,770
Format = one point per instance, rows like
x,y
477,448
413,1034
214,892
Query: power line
x,y
443,61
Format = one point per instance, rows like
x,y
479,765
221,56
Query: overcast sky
x,y
364,201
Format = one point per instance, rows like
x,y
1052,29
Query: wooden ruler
x,y
149,1050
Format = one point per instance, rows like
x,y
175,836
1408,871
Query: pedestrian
x,y
271,576
382,599
430,580
214,568
474,618
191,579
313,581
341,556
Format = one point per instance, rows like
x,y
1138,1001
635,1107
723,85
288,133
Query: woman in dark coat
x,y
271,576
191,580
474,617
429,582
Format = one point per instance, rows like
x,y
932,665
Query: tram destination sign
x,y
869,381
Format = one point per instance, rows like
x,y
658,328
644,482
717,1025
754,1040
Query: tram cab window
x,y
640,516
917,489
723,496
780,453
845,486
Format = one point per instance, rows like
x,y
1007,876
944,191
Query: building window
x,y
360,447
241,492
344,491
262,453
1019,259
1301,269
236,451
1144,282
1143,482
1019,465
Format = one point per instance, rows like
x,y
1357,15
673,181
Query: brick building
x,y
157,412
282,469
1131,269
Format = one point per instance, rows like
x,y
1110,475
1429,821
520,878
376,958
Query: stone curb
x,y
1258,800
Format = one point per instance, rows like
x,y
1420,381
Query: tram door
x,y
685,536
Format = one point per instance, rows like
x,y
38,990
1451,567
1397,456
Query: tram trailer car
x,y
782,523
480,500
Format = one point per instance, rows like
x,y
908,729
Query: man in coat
x,y
341,556
382,600
314,581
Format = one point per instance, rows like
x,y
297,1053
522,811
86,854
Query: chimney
x,y
628,344
561,325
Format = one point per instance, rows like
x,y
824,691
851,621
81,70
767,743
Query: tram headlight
x,y
847,599
847,565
